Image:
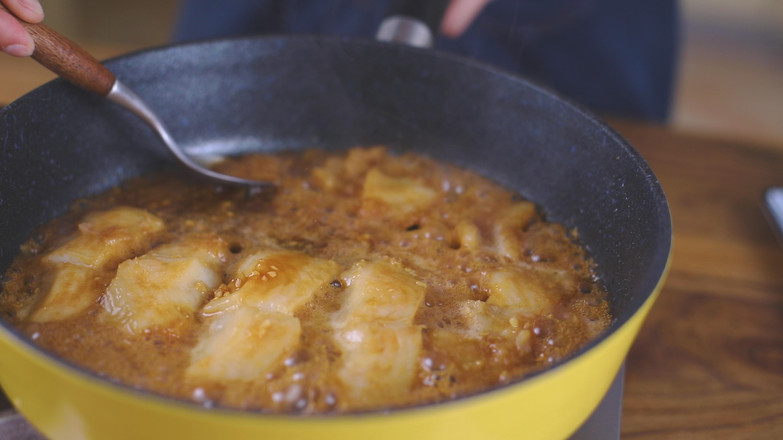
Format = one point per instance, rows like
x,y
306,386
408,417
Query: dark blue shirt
x,y
617,57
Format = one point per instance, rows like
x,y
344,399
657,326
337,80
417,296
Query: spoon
x,y
68,60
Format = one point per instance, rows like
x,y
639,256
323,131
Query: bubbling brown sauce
x,y
365,281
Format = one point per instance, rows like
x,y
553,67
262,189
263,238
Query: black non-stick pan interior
x,y
59,143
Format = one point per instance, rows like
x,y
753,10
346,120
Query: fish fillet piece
x,y
165,287
379,362
509,229
482,319
399,195
467,236
374,330
518,291
275,281
66,294
515,296
380,292
108,237
251,330
243,344
103,240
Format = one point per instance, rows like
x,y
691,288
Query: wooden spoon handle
x,y
67,59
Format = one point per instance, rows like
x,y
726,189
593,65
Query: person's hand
x,y
14,39
459,15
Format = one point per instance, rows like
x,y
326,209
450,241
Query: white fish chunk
x,y
380,292
243,344
250,331
468,236
108,237
399,195
518,291
275,281
375,332
67,286
165,287
103,240
509,229
379,362
482,319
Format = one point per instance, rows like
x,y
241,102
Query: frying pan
x,y
58,144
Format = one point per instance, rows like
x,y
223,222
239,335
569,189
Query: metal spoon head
x,y
128,99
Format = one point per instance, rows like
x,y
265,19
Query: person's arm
x,y
14,40
459,15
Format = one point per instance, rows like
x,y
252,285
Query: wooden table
x,y
708,363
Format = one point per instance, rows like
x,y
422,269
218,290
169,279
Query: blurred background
x,y
730,80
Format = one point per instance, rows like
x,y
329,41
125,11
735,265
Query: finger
x,y
14,39
459,15
28,10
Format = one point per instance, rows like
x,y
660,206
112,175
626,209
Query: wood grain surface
x,y
708,363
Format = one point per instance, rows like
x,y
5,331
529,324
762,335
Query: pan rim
x,y
656,277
